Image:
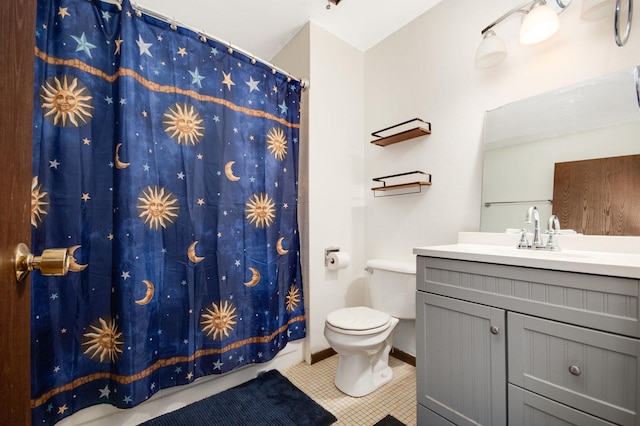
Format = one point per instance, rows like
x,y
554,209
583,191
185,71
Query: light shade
x,y
491,51
539,24
595,10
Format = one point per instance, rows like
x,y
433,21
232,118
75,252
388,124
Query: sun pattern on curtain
x,y
168,164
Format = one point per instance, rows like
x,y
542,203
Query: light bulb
x,y
539,24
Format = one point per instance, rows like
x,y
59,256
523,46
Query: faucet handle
x,y
524,242
552,244
553,224
553,228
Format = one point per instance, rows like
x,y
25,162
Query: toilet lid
x,y
359,319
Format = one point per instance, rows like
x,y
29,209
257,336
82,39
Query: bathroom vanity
x,y
528,337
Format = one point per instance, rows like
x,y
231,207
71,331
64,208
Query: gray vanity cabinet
x,y
501,344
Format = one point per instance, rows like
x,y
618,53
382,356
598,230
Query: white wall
x,y
336,164
426,70
333,205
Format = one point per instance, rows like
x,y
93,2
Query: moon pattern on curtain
x,y
169,165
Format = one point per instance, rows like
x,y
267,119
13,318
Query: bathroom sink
x,y
513,251
602,255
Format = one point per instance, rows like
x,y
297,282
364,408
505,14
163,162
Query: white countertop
x,y
600,255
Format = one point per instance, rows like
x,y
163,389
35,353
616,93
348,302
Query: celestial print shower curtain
x,y
167,163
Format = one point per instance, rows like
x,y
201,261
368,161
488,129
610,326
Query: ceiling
x,y
262,27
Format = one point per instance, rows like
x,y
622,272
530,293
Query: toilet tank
x,y
392,286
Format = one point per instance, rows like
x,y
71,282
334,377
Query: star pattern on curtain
x,y
169,165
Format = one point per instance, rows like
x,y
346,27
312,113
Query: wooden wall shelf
x,y
417,184
399,186
421,128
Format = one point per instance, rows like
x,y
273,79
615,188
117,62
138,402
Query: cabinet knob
x,y
494,329
575,370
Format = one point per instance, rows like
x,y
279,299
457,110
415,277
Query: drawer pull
x,y
494,330
575,370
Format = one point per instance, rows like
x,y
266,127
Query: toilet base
x,y
357,377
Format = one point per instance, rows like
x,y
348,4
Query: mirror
x,y
523,140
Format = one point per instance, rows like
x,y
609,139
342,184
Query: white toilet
x,y
363,336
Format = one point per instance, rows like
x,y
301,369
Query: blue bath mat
x,y
268,400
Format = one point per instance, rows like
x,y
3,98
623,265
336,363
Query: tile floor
x,y
397,397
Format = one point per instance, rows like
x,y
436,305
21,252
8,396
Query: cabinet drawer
x,y
592,371
610,304
529,409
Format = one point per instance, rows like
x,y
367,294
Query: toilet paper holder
x,y
327,252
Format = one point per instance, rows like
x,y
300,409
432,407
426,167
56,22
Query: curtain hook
x,y
173,25
203,38
253,60
230,49
273,70
138,13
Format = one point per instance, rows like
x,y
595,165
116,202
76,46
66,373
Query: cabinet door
x,y
461,368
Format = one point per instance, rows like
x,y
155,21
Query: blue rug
x,y
268,400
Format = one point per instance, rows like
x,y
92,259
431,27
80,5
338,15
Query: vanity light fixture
x,y
539,23
491,51
595,10
621,40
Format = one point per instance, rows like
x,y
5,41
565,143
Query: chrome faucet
x,y
532,212
553,227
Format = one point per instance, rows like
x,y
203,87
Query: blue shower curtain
x,y
167,163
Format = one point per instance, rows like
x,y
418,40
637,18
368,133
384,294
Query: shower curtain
x,y
167,163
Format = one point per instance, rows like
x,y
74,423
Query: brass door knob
x,y
53,262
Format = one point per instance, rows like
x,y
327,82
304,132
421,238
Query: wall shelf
x,y
399,188
413,128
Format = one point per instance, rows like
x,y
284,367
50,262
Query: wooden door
x,y
461,360
17,34
599,196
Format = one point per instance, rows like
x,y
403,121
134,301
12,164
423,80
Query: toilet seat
x,y
359,320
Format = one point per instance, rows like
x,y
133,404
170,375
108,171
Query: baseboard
x,y
324,354
396,353
403,356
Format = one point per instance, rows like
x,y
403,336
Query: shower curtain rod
x,y
304,83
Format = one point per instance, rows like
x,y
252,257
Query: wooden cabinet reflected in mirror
x,y
599,196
